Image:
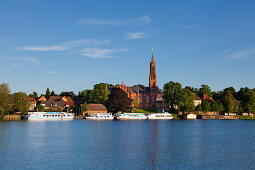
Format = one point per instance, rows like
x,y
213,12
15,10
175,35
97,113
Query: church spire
x,y
152,58
153,76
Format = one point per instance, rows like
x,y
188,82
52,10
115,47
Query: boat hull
x,y
95,118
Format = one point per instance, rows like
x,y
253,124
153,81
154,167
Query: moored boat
x,y
131,116
160,116
49,116
100,116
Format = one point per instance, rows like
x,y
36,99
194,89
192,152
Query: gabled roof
x,y
54,104
31,99
96,107
196,97
42,99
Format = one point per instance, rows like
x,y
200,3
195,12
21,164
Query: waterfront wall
x,y
12,117
216,117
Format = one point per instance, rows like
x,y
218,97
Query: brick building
x,y
146,97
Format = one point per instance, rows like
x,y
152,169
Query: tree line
x,y
178,98
228,100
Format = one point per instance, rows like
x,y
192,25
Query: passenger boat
x,y
49,116
131,116
160,116
100,116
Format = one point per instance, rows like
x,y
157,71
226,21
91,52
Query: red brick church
x,y
146,97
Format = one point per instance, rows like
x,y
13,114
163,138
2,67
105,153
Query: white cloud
x,y
43,48
66,45
183,10
241,54
51,72
101,53
189,26
224,51
137,21
27,59
135,35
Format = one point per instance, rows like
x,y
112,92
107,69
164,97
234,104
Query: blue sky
x,y
72,45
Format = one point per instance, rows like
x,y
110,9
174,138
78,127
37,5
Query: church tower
x,y
153,76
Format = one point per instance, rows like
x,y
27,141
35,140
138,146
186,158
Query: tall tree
x,y
118,101
205,89
228,101
187,101
214,106
199,108
84,107
47,93
205,105
172,93
248,100
68,93
21,103
52,93
99,94
5,99
34,95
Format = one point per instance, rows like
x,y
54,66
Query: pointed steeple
x,y
152,58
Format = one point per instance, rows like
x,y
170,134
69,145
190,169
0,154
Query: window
x,y
147,99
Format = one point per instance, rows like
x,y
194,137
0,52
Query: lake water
x,y
147,144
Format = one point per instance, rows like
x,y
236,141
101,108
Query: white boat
x,y
160,116
101,116
131,116
50,116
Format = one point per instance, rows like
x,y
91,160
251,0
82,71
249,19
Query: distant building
x,y
190,116
42,99
96,108
60,102
53,105
198,98
66,99
32,103
146,97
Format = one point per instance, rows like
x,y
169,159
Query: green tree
x,y
205,89
68,93
34,95
187,101
84,107
172,93
228,101
99,94
47,94
39,107
118,101
21,103
198,108
205,105
214,106
5,99
220,107
52,93
248,100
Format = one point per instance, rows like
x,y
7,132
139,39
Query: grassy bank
x,y
176,116
246,117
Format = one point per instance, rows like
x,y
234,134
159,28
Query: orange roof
x,y
42,99
31,99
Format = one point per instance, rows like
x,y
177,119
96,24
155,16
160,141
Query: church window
x,y
147,99
141,99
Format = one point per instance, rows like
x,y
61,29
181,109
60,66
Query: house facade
x,y
95,108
